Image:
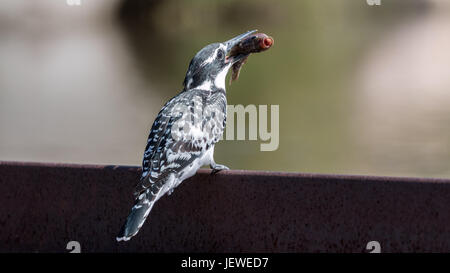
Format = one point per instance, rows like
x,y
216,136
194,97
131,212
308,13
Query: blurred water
x,y
361,89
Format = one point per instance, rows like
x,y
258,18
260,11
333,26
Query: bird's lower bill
x,y
236,58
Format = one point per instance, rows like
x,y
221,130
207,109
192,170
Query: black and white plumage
x,y
185,131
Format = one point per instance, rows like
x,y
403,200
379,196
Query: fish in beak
x,y
240,48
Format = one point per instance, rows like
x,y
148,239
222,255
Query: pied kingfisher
x,y
185,131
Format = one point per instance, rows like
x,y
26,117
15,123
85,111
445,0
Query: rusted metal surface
x,y
44,206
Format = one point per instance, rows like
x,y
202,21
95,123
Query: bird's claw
x,y
217,168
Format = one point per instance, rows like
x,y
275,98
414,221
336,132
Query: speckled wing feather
x,y
176,140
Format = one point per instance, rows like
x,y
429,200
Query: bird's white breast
x,y
192,168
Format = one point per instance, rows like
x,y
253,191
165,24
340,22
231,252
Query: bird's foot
x,y
217,168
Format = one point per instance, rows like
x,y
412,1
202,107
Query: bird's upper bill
x,y
241,46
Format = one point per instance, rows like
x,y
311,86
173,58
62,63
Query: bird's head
x,y
210,65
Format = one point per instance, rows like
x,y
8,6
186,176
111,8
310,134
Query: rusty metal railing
x,y
46,206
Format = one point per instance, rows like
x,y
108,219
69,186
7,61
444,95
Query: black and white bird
x,y
185,131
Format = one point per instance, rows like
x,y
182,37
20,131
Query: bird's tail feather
x,y
136,218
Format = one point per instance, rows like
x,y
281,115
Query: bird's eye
x,y
220,54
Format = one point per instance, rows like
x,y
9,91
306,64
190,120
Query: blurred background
x,y
361,89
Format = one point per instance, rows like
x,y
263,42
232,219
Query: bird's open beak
x,y
234,41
